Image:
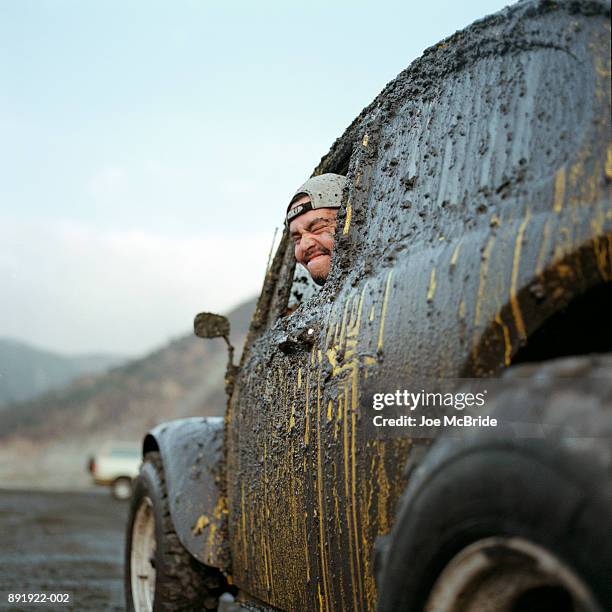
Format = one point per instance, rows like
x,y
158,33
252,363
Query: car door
x,y
308,490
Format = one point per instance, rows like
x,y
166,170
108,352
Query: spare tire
x,y
520,524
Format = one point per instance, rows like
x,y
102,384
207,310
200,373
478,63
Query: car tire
x,y
121,488
160,574
533,514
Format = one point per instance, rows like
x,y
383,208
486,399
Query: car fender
x,y
192,454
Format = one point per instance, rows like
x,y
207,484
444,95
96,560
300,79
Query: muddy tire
x,y
493,522
122,488
160,575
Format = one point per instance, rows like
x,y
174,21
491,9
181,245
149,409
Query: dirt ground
x,y
55,542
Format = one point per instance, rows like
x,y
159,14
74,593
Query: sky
x,y
148,149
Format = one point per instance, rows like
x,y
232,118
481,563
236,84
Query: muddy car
x,y
474,242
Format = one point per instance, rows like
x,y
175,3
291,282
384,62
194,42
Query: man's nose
x,y
306,241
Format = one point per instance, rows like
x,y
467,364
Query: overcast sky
x,y
148,149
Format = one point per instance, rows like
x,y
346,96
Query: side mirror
x,y
209,325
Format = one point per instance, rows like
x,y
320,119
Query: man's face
x,y
313,237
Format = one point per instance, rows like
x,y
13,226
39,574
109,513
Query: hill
x,y
26,371
45,441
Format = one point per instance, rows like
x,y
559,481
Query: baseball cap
x,y
324,191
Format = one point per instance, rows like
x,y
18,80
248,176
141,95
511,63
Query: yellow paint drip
x,y
265,559
383,313
484,269
432,285
507,343
608,166
201,524
455,255
220,507
243,525
265,533
354,400
559,196
305,535
307,427
292,417
331,356
384,489
365,140
518,245
330,410
299,378
347,495
365,507
319,487
347,223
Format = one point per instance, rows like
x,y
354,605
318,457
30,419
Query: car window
x,y
302,287
289,284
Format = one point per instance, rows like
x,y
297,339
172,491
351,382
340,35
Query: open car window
x,y
293,284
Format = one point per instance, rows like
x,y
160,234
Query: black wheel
x,y
160,575
122,488
496,522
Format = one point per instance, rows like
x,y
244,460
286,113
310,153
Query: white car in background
x,y
116,465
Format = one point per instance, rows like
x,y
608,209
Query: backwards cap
x,y
324,191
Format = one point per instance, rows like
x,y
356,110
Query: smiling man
x,y
311,218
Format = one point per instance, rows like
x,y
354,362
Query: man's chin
x,y
319,270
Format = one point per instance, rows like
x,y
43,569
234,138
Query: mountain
x,y
26,372
45,441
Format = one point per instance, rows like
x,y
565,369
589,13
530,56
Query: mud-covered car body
x,y
478,210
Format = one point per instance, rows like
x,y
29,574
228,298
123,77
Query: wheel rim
x,y
122,489
508,574
142,558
